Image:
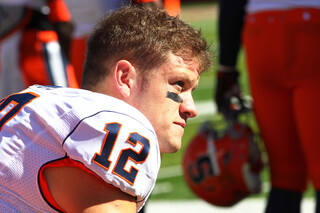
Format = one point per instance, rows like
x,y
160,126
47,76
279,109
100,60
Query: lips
x,y
182,124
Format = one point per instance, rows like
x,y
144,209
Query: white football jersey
x,y
43,125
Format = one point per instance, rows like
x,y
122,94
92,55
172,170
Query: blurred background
x,y
171,193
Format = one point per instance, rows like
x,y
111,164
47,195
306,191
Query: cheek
x,y
161,110
165,112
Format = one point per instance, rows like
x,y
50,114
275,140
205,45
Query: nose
x,y
188,107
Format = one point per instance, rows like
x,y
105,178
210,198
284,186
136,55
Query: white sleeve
x,y
119,149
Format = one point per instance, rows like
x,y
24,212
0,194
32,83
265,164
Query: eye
x,y
180,84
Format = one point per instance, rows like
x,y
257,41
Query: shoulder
x,y
120,149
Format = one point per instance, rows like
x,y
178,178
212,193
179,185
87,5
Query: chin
x,y
170,148
175,150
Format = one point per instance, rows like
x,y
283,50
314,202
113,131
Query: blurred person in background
x,y
35,38
282,43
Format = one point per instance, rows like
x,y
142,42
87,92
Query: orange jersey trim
x,y
58,11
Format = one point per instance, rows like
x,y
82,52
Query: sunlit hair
x,y
144,37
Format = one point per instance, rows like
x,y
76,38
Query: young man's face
x,y
167,100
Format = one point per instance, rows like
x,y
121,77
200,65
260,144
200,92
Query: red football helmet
x,y
224,169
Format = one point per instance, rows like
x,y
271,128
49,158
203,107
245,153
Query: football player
x,y
35,38
283,67
98,148
282,41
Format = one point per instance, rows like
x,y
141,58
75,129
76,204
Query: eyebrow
x,y
187,80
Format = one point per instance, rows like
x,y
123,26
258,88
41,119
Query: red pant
x,y
283,58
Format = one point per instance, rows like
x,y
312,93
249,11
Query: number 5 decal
x,y
125,155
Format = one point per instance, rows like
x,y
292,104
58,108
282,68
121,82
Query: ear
x,y
124,75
